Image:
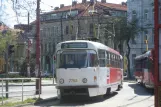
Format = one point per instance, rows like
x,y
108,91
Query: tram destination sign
x,y
74,45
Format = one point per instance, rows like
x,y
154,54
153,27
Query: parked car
x,y
46,74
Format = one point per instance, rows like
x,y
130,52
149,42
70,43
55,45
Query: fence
x,y
3,80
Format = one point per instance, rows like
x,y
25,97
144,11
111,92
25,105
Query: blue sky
x,y
8,16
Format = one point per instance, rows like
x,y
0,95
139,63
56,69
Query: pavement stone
x,y
44,96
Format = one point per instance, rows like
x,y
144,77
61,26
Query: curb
x,y
131,81
39,102
46,100
32,85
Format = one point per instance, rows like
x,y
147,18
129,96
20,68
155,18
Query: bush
x,y
18,76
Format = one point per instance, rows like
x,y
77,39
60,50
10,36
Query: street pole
x,y
6,68
28,51
28,21
113,35
37,68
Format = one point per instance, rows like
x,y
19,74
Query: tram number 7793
x,y
73,80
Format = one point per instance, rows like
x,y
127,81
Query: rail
x,y
22,83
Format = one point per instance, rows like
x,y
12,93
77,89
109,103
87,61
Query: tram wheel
x,y
119,88
108,91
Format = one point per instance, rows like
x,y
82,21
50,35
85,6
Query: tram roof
x,y
95,44
143,56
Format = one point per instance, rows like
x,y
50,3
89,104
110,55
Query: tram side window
x,y
112,59
93,61
117,61
108,58
101,54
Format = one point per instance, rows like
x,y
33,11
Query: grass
x,y
29,100
47,78
4,98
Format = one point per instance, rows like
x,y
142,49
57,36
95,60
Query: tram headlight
x,y
61,81
84,80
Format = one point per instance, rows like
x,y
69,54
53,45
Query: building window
x,y
134,15
133,41
67,30
153,14
71,29
54,47
146,14
152,35
145,35
133,57
50,47
91,28
42,48
45,47
45,31
48,32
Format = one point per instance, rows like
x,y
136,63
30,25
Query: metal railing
x,y
3,80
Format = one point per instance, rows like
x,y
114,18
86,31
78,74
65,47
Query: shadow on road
x,y
141,90
77,101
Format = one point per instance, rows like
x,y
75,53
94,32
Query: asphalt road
x,y
132,95
16,91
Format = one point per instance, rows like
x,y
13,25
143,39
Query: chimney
x,y
124,3
56,8
103,1
74,3
84,1
61,5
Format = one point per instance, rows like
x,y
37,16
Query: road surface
x,y
132,95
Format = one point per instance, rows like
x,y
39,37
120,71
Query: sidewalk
x,y
49,92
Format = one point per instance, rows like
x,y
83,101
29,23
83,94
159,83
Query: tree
x,y
123,31
9,36
115,31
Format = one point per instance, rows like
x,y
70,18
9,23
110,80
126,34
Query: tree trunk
x,y
128,58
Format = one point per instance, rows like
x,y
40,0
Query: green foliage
x,y
120,30
29,100
123,31
115,29
23,66
4,98
9,36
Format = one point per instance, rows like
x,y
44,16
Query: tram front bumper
x,y
82,86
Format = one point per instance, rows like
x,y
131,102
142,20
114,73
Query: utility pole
x,y
6,68
61,27
37,68
28,21
28,50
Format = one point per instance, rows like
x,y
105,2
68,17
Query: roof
x,y
82,6
96,44
3,27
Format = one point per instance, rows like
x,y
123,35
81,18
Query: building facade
x,y
77,21
143,10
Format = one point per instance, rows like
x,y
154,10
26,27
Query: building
x,y
77,21
143,10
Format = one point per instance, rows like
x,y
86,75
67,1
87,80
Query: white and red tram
x,y
87,68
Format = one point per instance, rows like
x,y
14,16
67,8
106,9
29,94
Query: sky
x,y
8,15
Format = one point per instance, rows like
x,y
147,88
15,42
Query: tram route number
x,y
73,80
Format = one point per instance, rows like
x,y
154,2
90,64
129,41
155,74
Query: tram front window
x,y
72,59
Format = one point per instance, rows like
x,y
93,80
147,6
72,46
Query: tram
x,y
87,68
144,69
